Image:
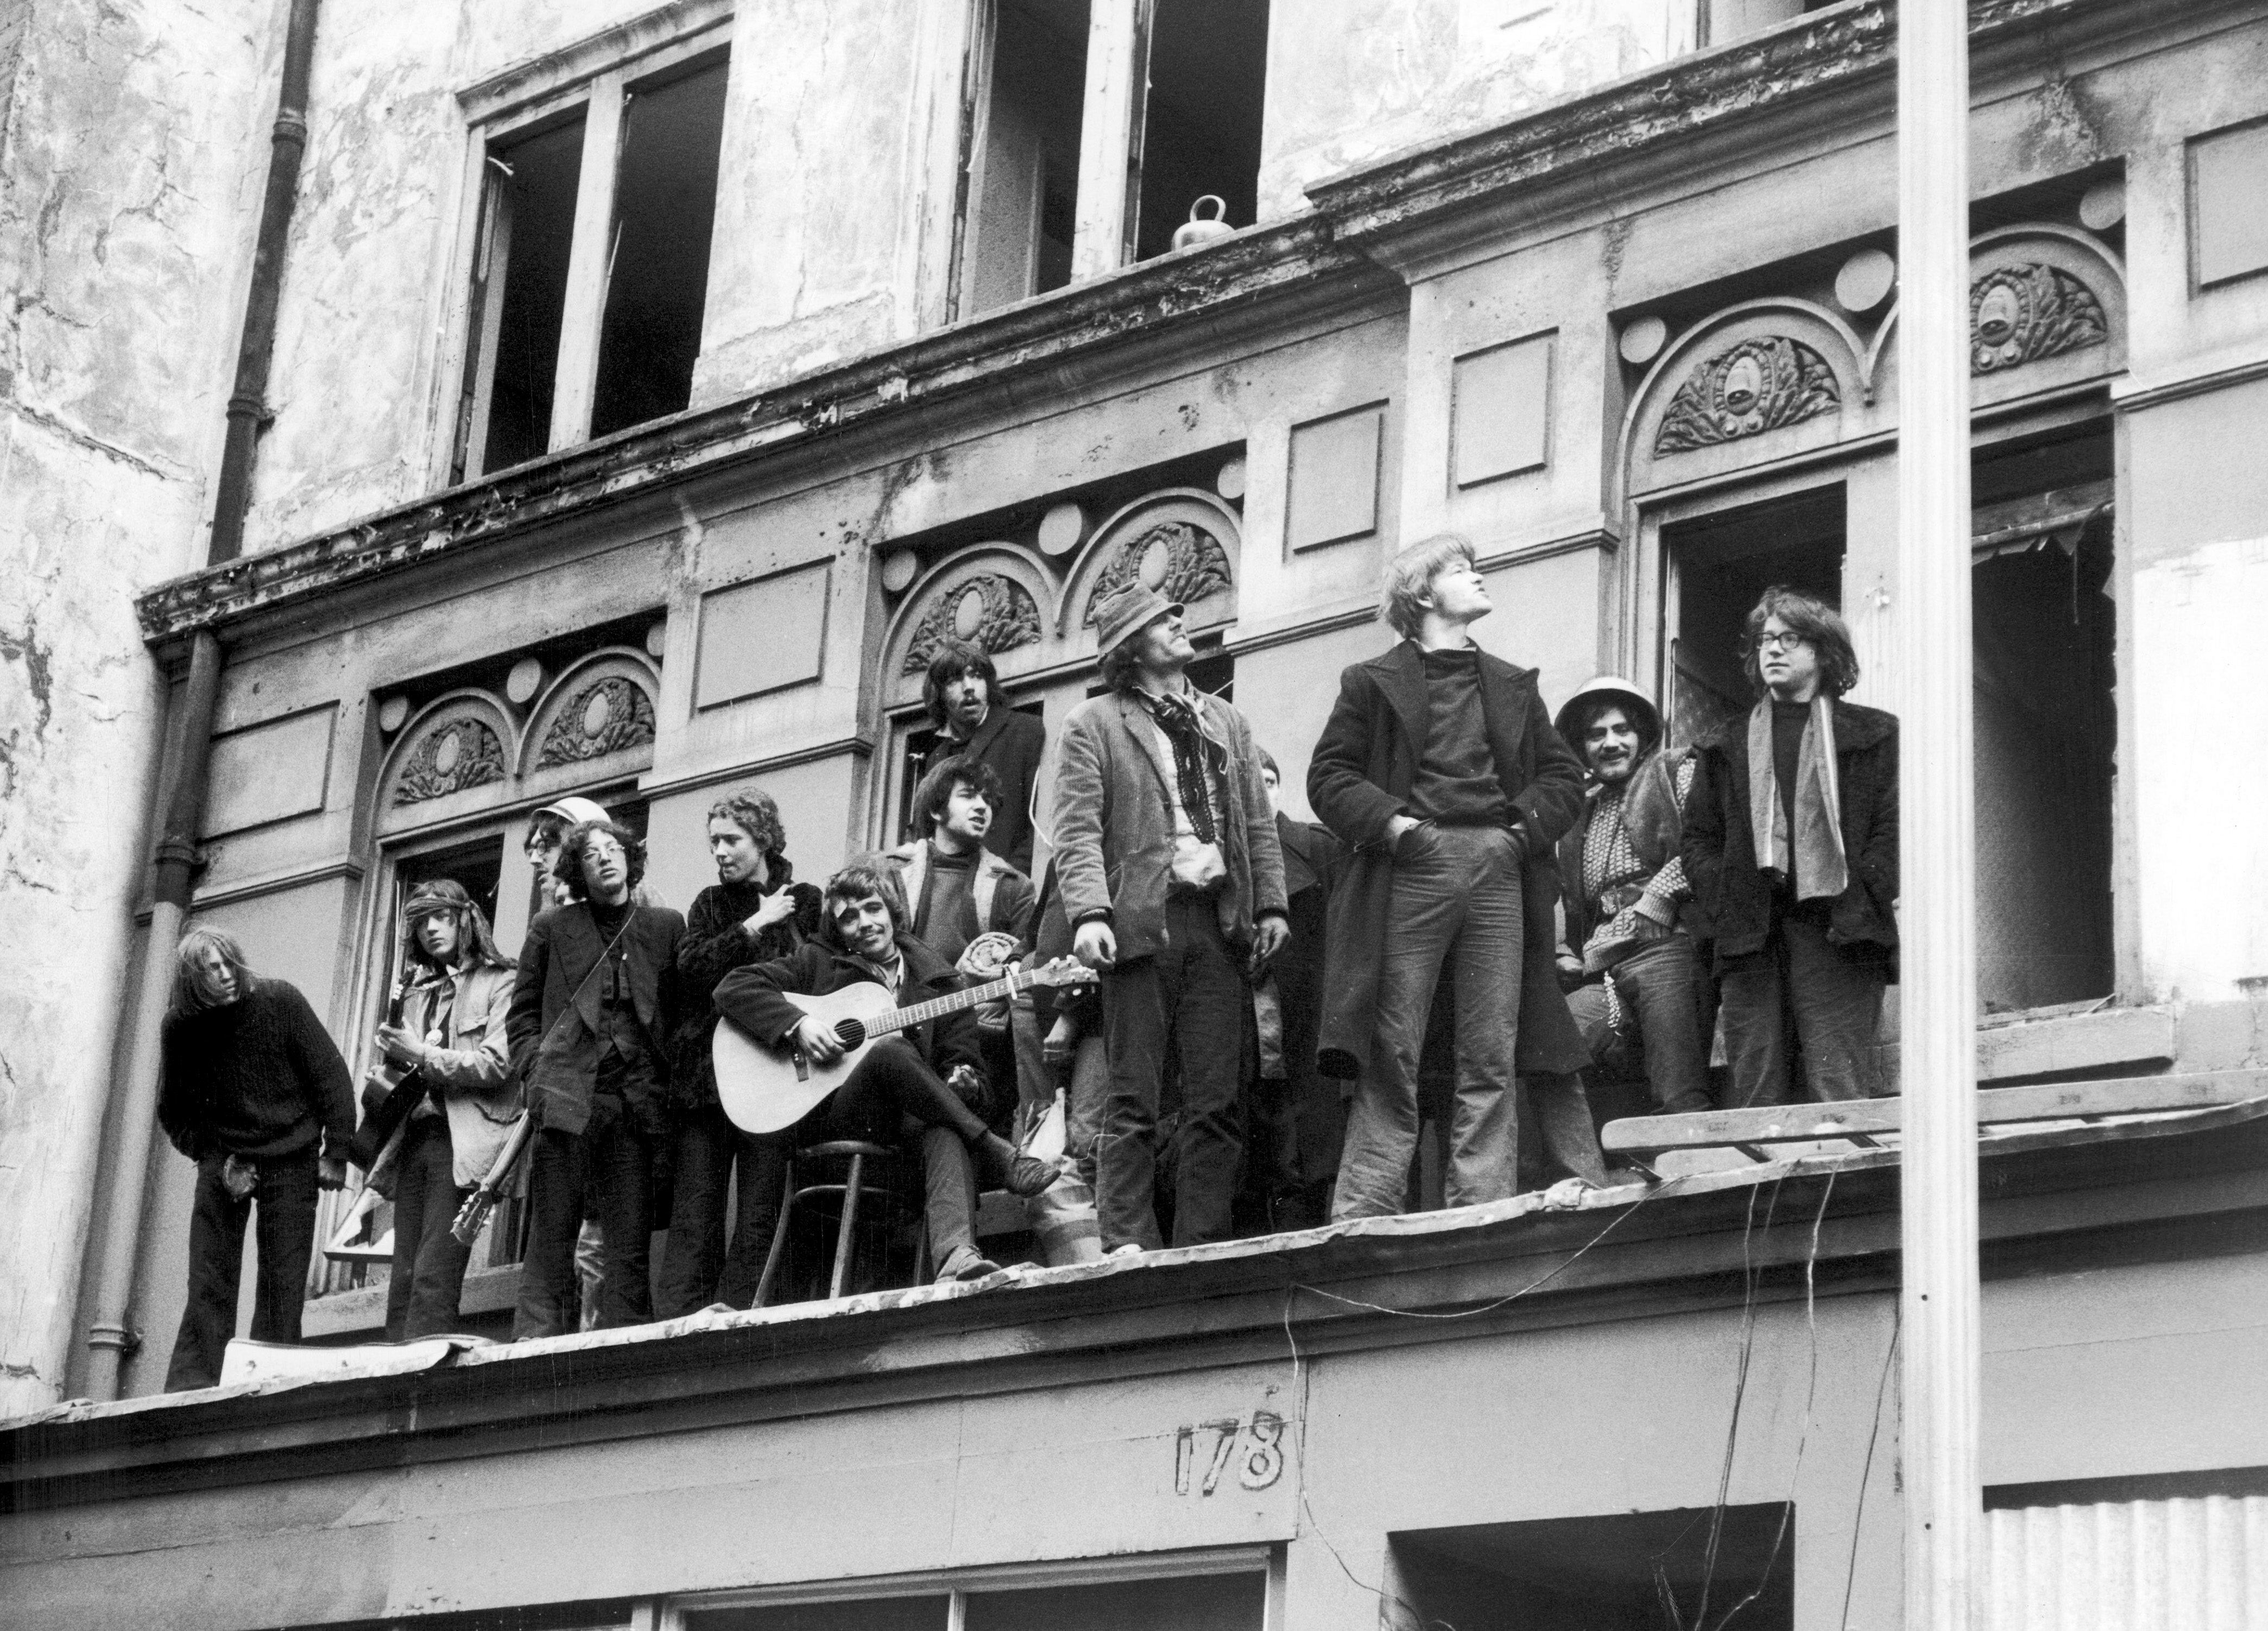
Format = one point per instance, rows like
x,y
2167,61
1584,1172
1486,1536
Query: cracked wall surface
x,y
125,213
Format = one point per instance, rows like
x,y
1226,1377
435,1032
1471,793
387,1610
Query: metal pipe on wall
x,y
110,1338
1941,1368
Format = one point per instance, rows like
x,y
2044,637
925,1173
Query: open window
x,y
590,260
1091,137
1629,1571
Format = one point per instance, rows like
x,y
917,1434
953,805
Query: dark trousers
x,y
285,1196
893,1098
1802,990
697,1267
1456,906
1189,997
613,1162
1660,985
428,1263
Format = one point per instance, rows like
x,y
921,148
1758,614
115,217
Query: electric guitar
x,y
763,1090
403,1087
483,1200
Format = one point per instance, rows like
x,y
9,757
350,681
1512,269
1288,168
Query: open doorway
x,y
1713,571
2046,721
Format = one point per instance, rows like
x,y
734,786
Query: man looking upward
x,y
1439,767
1172,880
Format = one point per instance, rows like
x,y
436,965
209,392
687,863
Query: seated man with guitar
x,y
888,1053
448,1092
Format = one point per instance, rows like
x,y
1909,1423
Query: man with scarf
x,y
1173,879
1792,848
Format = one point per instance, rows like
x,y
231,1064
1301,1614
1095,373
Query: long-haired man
x,y
252,1083
1791,845
452,1034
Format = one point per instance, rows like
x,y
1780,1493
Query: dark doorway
x,y
1714,571
2046,720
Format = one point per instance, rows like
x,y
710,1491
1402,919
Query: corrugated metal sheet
x,y
2197,1564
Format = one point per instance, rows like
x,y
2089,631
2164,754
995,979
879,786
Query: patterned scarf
x,y
1177,716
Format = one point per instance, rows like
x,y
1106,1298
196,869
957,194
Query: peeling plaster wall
x,y
1359,79
126,208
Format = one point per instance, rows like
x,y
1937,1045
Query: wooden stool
x,y
850,1191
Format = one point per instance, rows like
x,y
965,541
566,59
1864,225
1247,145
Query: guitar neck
x,y
937,1007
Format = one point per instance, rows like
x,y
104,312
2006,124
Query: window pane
x,y
890,1613
665,207
1190,1602
1201,126
535,229
1024,186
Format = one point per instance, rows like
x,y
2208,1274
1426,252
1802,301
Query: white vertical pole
x,y
1937,820
589,258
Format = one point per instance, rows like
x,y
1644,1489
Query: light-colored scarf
x,y
1812,854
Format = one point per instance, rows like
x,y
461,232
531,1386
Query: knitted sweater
x,y
715,944
258,1077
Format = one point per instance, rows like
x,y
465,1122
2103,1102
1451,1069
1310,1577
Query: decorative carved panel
x,y
1179,559
1764,384
990,610
2019,313
463,753
605,717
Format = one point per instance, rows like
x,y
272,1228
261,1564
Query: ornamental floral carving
x,y
1179,559
1760,385
463,753
2019,313
990,610
605,717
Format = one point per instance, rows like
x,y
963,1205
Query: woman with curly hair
x,y
755,912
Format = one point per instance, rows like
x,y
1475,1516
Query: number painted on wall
x,y
1199,1464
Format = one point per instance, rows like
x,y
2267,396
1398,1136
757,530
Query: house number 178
x,y
1201,1464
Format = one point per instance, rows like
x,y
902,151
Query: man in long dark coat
x,y
1440,770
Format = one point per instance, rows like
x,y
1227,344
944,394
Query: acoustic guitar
x,y
763,1090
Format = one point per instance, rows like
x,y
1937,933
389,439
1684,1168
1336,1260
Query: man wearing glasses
x,y
1792,848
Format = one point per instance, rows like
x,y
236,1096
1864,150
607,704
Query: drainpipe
x,y
109,1337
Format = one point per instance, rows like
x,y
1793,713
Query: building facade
x,y
654,389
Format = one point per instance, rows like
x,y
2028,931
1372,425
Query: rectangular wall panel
x,y
1501,408
2193,1564
1334,493
761,636
268,772
2229,202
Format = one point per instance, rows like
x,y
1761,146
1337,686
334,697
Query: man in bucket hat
x,y
1630,917
1172,878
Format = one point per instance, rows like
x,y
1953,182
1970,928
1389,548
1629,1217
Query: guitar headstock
x,y
1063,971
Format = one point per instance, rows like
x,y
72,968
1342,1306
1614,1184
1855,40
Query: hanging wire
x,y
1867,1468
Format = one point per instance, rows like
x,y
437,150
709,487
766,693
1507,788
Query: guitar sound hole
x,y
850,1033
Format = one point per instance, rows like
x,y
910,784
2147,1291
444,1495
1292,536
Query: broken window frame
x,y
594,79
1108,195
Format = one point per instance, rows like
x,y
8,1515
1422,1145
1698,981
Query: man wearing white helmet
x,y
1630,949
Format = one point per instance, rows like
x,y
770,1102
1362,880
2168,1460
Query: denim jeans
x,y
285,1197
1660,987
615,1161
698,1266
1802,983
1188,998
1456,905
428,1265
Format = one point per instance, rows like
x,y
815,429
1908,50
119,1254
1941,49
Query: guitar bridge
x,y
802,1065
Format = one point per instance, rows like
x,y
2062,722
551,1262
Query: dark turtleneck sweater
x,y
1456,784
258,1077
714,944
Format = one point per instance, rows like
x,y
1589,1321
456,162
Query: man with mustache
x,y
1631,954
